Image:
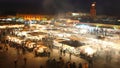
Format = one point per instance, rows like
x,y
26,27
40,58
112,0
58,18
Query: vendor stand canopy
x,y
73,43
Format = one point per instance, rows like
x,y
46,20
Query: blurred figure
x,y
25,60
70,55
80,65
41,66
85,65
15,62
61,52
73,65
64,52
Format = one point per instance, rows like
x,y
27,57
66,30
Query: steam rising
x,y
57,5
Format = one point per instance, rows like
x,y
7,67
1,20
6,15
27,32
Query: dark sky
x,y
110,7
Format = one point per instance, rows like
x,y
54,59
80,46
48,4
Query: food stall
x,y
41,50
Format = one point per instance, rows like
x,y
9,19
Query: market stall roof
x,y
73,43
37,33
41,46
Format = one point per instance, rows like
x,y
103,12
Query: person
x,y
68,64
90,63
23,50
25,60
64,51
6,48
54,63
61,52
48,63
41,66
80,65
45,53
70,55
61,62
36,54
48,54
74,65
15,62
85,65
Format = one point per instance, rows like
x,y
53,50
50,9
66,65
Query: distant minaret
x,y
93,10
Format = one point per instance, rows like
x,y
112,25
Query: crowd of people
x,y
53,63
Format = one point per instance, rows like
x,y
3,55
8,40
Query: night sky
x,y
109,7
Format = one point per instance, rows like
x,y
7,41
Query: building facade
x,y
93,10
34,16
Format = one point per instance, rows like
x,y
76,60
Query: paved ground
x,y
7,60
